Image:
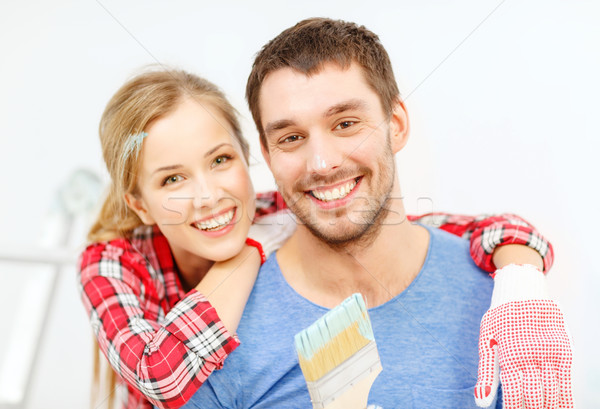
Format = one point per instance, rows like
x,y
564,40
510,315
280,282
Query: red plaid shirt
x,y
164,343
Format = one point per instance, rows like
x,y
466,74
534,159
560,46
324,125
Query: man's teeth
x,y
334,194
217,222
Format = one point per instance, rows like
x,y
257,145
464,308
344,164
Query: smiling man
x,y
327,107
316,144
321,138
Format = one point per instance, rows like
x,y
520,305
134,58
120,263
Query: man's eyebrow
x,y
277,125
349,105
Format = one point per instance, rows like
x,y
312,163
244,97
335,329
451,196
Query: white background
x,y
503,98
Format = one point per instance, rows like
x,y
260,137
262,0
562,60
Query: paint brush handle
x,y
357,396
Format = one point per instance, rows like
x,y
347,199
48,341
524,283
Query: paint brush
x,y
338,356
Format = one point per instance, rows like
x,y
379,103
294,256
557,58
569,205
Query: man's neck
x,y
380,271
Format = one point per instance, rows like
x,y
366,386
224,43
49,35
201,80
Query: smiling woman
x,y
172,230
193,182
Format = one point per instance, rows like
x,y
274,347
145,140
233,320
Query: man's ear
x,y
265,154
138,205
399,126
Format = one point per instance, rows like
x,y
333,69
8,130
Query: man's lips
x,y
336,191
215,222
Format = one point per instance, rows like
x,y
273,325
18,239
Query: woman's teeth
x,y
336,193
217,222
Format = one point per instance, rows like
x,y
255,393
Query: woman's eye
x,y
291,138
344,125
219,160
172,179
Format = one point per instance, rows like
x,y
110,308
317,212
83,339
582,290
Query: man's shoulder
x,y
448,248
449,262
447,239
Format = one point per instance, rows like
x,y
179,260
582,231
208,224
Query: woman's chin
x,y
227,252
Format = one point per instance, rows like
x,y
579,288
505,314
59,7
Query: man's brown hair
x,y
311,43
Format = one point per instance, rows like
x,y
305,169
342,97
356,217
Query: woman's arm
x,y
524,330
496,240
228,284
166,358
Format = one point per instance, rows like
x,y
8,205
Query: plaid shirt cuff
x,y
195,322
498,231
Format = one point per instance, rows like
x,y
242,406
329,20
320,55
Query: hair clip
x,y
133,145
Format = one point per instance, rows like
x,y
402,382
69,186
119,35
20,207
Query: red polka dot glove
x,y
524,344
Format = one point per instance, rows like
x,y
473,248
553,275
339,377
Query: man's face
x,y
331,149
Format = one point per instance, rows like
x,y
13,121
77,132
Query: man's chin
x,y
346,233
339,236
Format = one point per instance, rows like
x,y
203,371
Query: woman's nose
x,y
206,193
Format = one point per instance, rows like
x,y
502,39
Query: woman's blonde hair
x,y
138,102
141,100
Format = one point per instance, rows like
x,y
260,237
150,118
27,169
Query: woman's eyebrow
x,y
216,148
178,166
170,167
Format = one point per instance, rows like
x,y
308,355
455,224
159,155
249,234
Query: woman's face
x,y
194,184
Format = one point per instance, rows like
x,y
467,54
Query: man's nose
x,y
325,155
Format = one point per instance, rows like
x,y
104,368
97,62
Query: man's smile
x,y
335,192
334,195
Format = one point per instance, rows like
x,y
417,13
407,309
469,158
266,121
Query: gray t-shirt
x,y
427,338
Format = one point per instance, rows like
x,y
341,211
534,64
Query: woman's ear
x,y
137,204
399,126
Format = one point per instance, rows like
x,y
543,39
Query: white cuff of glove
x,y
518,283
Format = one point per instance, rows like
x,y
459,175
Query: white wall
x,y
503,97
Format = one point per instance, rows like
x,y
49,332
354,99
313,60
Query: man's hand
x,y
524,344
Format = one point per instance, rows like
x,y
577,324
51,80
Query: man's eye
x,y
219,160
291,138
344,125
172,179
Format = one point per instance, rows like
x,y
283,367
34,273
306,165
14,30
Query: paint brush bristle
x,y
335,337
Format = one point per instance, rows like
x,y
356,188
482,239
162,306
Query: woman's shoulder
x,y
120,251
122,267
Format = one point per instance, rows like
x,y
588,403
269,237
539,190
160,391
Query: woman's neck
x,y
191,268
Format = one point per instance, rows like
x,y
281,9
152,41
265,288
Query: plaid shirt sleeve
x,y
268,203
165,362
486,232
